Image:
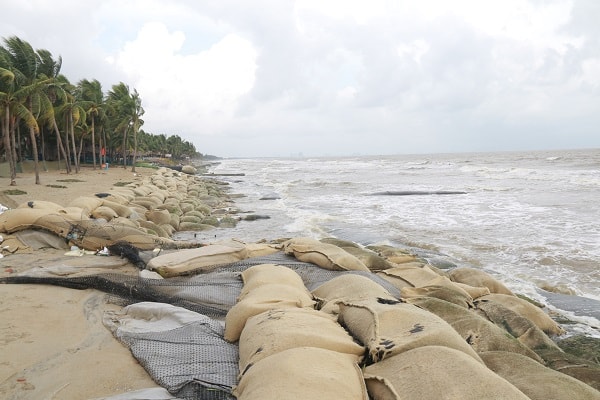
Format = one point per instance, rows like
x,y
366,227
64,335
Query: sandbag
x,y
348,287
120,209
88,203
158,216
324,255
41,204
262,274
104,212
415,276
477,277
436,372
481,334
527,310
303,373
390,329
204,258
535,380
263,298
276,330
474,291
441,288
372,260
518,326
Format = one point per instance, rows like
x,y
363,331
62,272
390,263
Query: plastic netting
x,y
194,361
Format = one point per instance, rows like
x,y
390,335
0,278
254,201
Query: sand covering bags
x,y
414,274
535,380
349,288
390,329
287,293
277,330
303,373
203,258
435,372
324,255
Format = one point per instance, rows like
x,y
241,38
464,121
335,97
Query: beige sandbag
x,y
158,216
397,282
436,372
442,288
372,260
263,298
473,291
527,310
276,330
390,329
481,334
303,373
260,249
120,209
516,325
156,229
261,274
441,292
188,169
415,276
394,254
535,380
324,255
104,213
477,277
204,258
348,287
41,204
19,218
88,203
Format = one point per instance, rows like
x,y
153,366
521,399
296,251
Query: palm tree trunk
x,y
34,150
135,145
7,146
123,148
93,144
61,148
72,128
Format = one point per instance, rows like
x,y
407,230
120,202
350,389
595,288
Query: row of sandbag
x,y
144,213
395,335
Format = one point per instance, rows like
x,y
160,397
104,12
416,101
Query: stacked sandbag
x,y
303,373
481,334
287,346
202,259
477,278
144,213
436,372
387,329
325,255
370,258
535,380
269,287
349,288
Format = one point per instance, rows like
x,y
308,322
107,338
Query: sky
x,y
280,78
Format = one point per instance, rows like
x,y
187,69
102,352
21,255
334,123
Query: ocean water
x,y
532,219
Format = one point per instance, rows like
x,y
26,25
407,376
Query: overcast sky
x,y
337,77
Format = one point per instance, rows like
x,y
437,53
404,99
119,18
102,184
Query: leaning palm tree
x,y
126,111
91,93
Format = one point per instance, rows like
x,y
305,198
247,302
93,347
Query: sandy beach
x,y
56,342
53,342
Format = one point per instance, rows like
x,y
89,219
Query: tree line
x,y
44,117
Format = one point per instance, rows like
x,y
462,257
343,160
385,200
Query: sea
x,y
531,219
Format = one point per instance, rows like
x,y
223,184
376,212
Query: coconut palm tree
x,y
91,94
126,111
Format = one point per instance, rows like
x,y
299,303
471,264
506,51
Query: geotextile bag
x,y
325,255
280,329
436,372
263,298
303,373
390,329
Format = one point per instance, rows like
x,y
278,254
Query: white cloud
x,y
178,88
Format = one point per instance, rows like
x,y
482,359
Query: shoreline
x,y
50,357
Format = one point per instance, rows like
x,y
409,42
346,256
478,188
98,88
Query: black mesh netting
x,y
192,361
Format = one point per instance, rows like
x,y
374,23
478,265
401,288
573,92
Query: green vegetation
x,y
14,192
57,186
69,180
44,117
